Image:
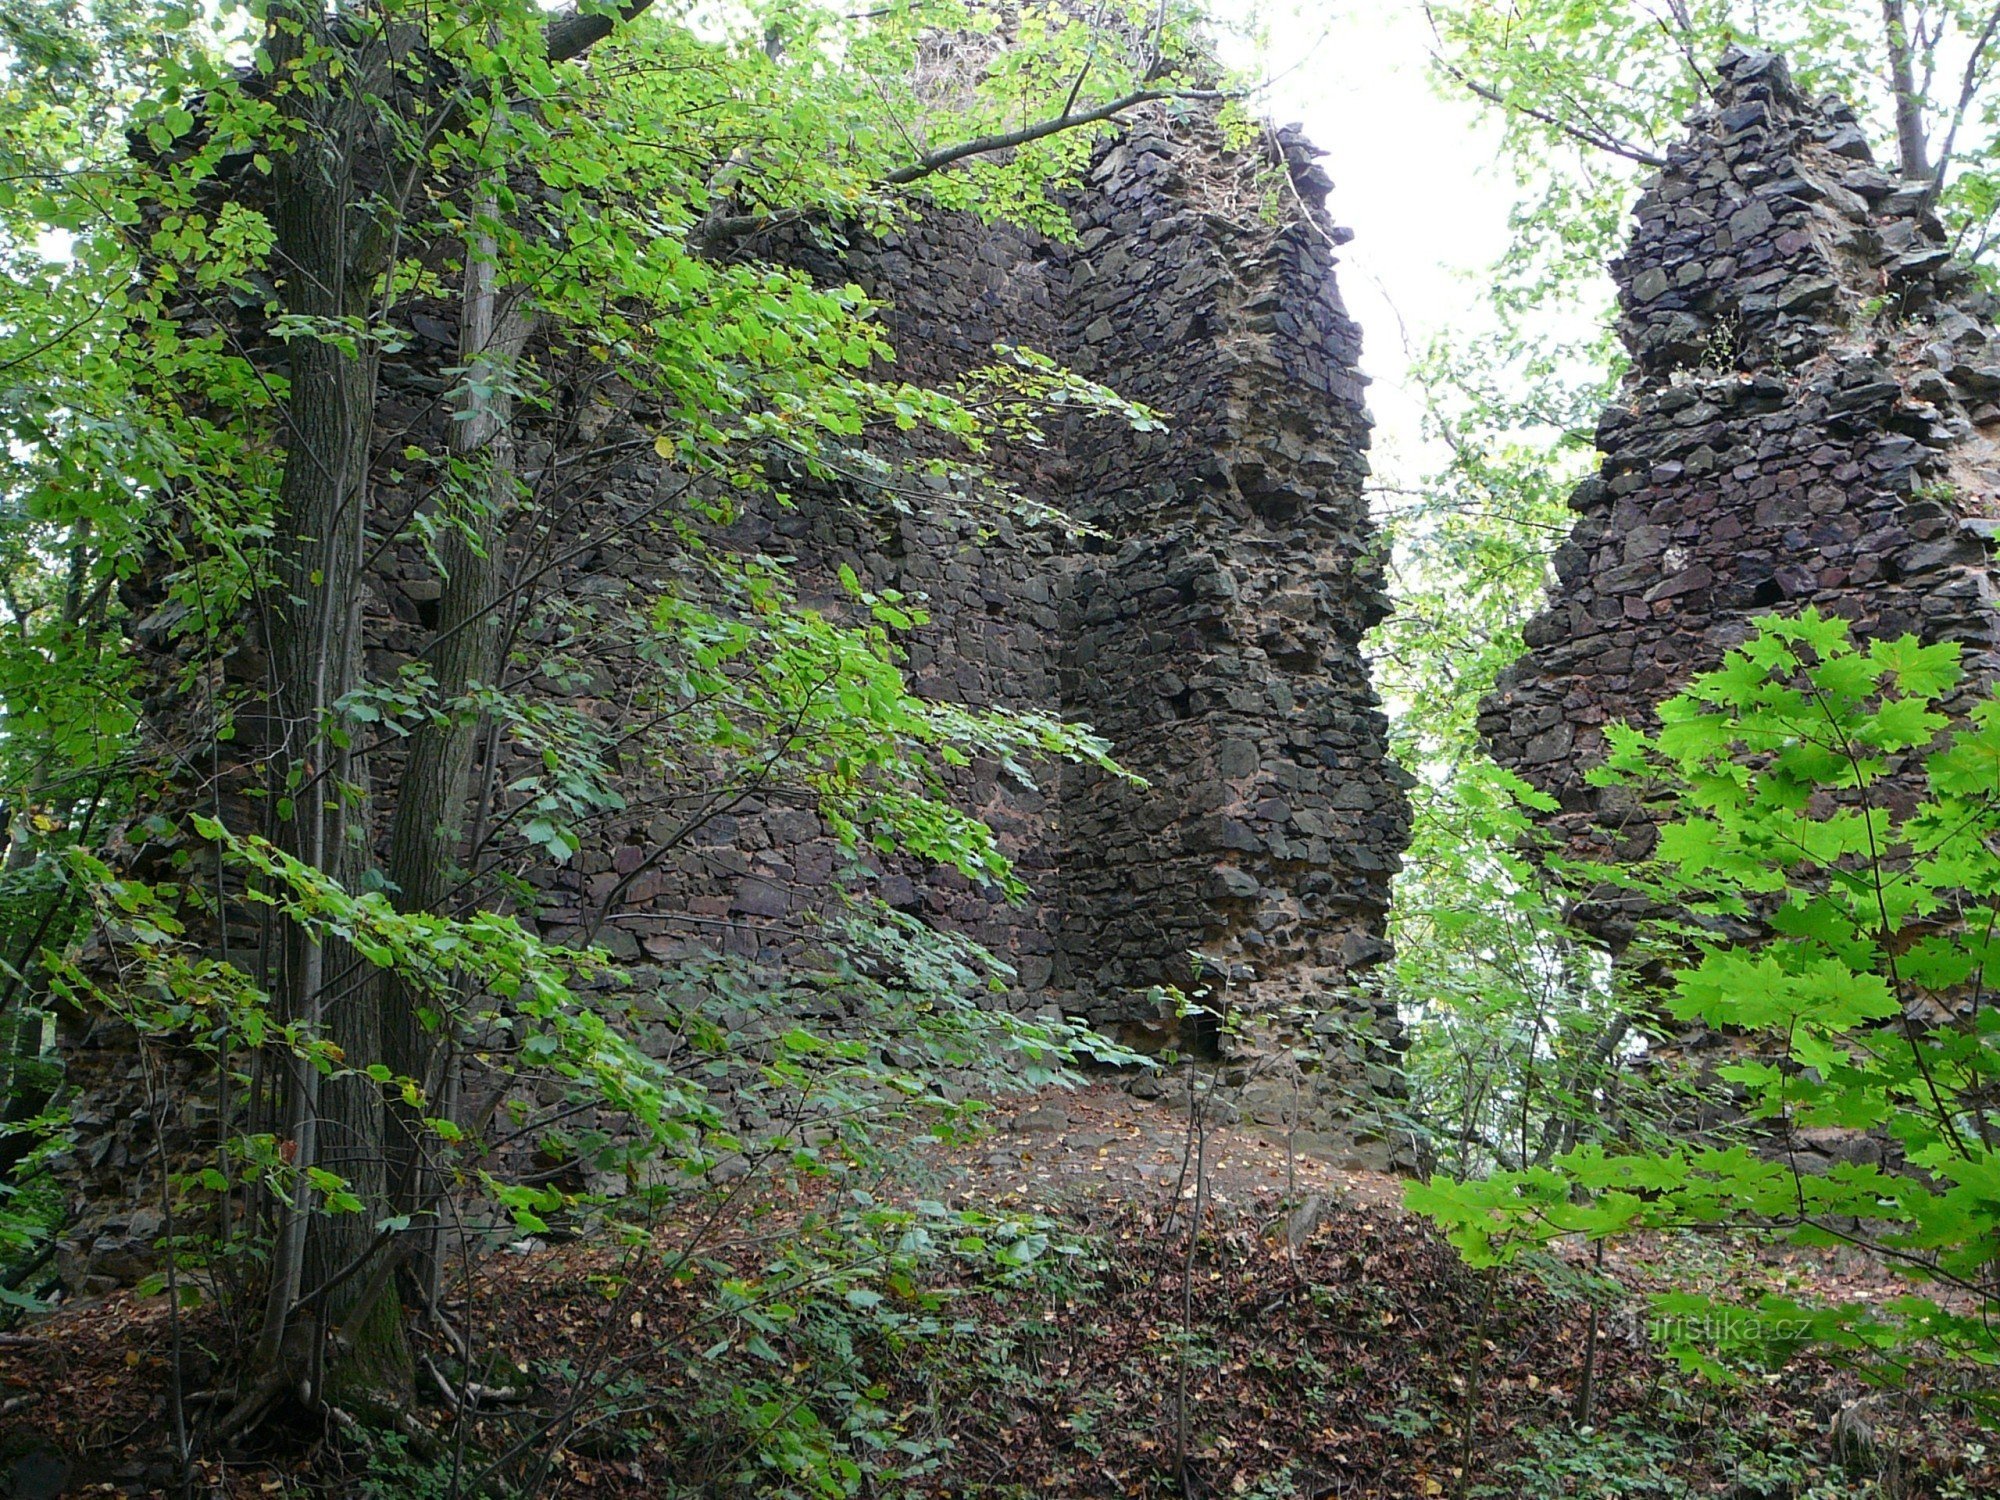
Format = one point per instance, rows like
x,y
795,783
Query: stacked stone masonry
x,y
1208,623
1209,626
1811,418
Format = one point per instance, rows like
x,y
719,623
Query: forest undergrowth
x,y
1312,1341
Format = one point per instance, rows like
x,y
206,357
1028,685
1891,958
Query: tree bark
x,y
310,610
425,834
332,229
1911,147
573,33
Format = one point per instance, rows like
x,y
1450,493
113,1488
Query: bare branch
x,y
1589,135
735,226
1681,35
1968,87
575,32
985,145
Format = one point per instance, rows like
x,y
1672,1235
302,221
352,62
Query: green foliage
x,y
783,686
159,337
394,1472
1591,93
1625,1458
790,1393
1508,1010
1840,797
1638,1455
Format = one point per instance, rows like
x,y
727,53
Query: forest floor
x,y
1312,1341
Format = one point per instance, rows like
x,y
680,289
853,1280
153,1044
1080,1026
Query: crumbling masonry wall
x,y
1210,627
1218,645
1810,419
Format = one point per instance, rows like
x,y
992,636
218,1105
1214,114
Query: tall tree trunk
x,y
330,247
1912,150
425,835
322,216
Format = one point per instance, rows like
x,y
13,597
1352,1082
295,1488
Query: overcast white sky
x,y
1416,177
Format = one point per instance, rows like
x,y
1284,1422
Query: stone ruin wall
x,y
1209,625
1810,419
1217,642
1211,632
